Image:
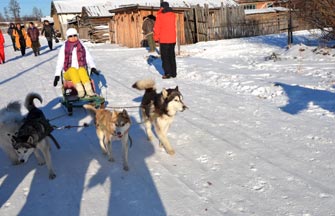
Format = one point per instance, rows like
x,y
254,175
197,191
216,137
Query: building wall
x,y
126,27
60,22
256,4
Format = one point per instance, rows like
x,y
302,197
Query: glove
x,y
56,80
94,70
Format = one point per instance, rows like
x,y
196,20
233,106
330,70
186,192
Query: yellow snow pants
x,y
76,75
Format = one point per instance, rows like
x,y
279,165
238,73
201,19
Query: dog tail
x,y
29,102
90,108
144,84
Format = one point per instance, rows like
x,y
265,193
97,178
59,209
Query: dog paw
x,y
149,138
15,163
52,176
41,163
171,152
111,159
126,168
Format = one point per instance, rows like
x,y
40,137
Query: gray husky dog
x,y
11,120
159,109
33,136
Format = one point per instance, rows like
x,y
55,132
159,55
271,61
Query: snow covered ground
x,y
257,139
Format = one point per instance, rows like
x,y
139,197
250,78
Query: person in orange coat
x,y
22,40
2,48
165,35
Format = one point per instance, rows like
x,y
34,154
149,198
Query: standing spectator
x,y
22,40
2,48
147,28
165,35
34,34
49,32
73,60
10,33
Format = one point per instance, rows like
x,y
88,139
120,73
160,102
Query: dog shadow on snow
x,y
300,98
86,182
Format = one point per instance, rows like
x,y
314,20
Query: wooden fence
x,y
204,24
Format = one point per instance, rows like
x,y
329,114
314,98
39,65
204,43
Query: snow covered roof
x,y
265,10
98,11
173,3
75,6
97,7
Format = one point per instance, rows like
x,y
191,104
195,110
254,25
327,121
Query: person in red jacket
x,y
2,48
165,35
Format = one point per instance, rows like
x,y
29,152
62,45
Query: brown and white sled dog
x,y
110,126
30,136
159,109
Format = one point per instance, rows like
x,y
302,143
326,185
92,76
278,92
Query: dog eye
x,y
25,151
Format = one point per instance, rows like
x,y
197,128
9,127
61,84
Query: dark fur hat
x,y
165,4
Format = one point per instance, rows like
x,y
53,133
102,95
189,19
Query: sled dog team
x,y
20,136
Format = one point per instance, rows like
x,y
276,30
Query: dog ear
x,y
177,89
164,93
124,112
30,140
114,116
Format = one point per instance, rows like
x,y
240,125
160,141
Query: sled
x,y
71,100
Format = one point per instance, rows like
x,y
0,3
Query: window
x,y
249,6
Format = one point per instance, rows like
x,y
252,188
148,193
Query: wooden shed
x,y
64,12
61,12
94,23
126,24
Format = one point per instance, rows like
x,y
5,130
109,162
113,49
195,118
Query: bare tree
x,y
14,8
2,18
6,14
320,14
37,13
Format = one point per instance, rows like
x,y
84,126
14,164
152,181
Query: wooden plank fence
x,y
205,24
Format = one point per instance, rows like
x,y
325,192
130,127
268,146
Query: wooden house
x,y
94,23
64,11
126,24
255,4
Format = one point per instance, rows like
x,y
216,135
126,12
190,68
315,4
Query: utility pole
x,y
290,27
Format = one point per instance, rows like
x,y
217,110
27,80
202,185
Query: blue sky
x,y
28,5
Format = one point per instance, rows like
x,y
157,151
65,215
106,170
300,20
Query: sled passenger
x,y
73,59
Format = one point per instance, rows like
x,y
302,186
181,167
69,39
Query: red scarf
x,y
81,54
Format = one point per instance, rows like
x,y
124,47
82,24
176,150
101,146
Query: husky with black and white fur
x,y
33,135
159,109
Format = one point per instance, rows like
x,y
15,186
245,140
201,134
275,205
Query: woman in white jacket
x,y
73,59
